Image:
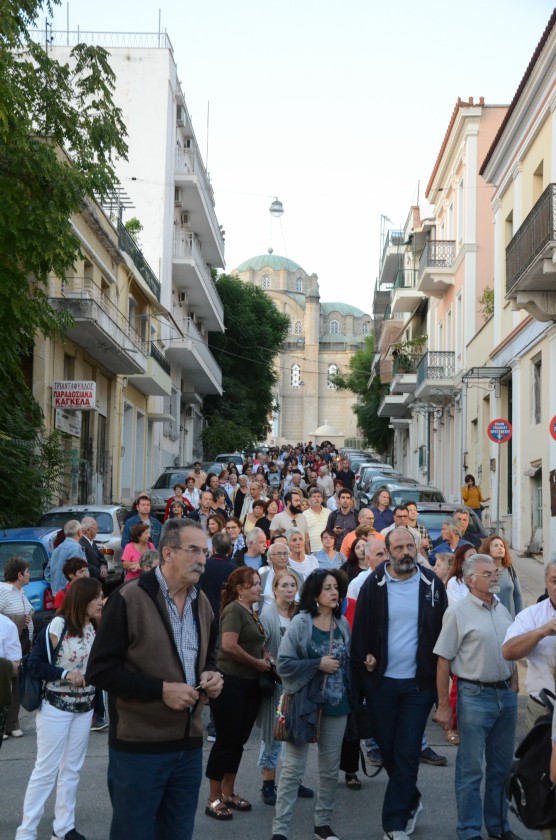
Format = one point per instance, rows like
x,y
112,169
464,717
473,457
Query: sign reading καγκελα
x,y
76,395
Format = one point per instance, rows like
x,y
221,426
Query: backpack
x,y
31,689
529,790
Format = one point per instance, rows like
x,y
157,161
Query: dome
x,y
273,261
342,308
327,430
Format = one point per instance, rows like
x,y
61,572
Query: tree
x,y
375,429
59,134
255,334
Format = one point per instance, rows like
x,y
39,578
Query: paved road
x,y
358,813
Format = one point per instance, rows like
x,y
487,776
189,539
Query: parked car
x,y
432,515
164,485
35,545
405,491
110,520
231,458
373,483
373,477
367,469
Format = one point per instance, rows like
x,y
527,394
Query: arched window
x,y
296,376
266,281
298,328
332,371
365,328
334,327
290,328
299,285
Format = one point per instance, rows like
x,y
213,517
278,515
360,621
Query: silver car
x,y
164,485
110,520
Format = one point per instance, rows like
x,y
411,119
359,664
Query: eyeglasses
x,y
487,575
194,550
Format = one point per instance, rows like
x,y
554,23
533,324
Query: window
x,y
537,393
296,376
298,328
460,211
266,281
299,285
332,371
459,327
537,499
290,328
365,328
334,327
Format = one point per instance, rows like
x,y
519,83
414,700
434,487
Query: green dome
x,y
273,261
342,308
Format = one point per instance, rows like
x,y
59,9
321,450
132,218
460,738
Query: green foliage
x,y
374,428
255,333
226,436
486,302
134,227
59,134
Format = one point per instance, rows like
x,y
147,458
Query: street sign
x,y
499,431
553,427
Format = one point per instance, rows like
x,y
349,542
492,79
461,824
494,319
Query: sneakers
x,y
211,737
99,724
506,835
395,835
16,733
268,793
412,822
375,757
324,832
71,835
305,793
429,756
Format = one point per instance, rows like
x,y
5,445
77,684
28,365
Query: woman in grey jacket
x,y
314,659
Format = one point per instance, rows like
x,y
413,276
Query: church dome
x,y
273,261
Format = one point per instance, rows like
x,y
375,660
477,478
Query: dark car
x,y
432,515
35,545
405,491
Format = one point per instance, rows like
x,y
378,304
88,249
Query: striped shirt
x,y
13,601
184,629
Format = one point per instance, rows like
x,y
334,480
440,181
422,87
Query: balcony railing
x,y
437,253
160,360
406,363
538,229
126,40
405,279
436,365
129,245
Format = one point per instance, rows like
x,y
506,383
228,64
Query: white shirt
x,y
316,523
10,647
305,568
332,503
541,661
456,590
355,586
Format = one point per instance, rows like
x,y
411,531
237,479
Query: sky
x,y
338,109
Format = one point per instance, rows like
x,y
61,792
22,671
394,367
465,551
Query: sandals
x,y
452,737
218,810
236,802
352,782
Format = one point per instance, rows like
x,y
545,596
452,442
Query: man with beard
x,y
470,646
291,517
397,622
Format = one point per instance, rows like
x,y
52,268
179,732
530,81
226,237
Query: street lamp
x,y
276,209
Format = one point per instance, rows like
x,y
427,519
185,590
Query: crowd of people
x,y
268,585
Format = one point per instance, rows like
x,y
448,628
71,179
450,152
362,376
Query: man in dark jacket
x,y
154,655
398,619
97,563
217,571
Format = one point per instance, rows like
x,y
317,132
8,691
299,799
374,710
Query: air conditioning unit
x,y
180,115
184,217
177,196
189,411
182,297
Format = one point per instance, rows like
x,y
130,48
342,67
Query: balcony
x,y
128,244
435,375
392,256
436,267
195,195
192,354
531,260
394,405
404,373
405,296
191,274
156,382
381,300
99,327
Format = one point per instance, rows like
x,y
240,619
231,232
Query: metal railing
x,y
198,345
437,364
159,359
82,288
437,253
406,363
405,278
189,162
394,239
538,229
69,38
128,244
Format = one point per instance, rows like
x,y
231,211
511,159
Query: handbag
x,y
268,680
31,689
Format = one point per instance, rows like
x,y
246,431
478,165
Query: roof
x,y
273,261
299,297
459,104
519,91
340,338
342,308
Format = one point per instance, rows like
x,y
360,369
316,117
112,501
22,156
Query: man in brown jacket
x,y
154,655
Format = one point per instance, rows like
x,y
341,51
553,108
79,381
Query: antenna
x,y
208,126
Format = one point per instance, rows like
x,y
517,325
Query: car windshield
x,y
34,553
412,494
229,459
57,519
170,479
433,519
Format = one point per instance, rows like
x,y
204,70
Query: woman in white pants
x,y
64,717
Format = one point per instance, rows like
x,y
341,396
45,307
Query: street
x,y
357,813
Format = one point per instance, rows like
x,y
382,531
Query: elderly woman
x,y
250,520
235,533
314,659
300,562
510,588
455,587
241,494
278,561
15,605
241,658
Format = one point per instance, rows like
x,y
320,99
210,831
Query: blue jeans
x,y
154,796
486,724
400,712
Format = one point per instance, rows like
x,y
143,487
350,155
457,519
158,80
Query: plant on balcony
x,y
486,302
404,353
134,227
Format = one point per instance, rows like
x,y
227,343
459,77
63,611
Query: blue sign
x,y
499,431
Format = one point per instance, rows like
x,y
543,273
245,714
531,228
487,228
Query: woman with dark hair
x,y
381,507
455,587
15,605
242,657
215,525
356,561
328,557
64,717
235,532
178,497
250,519
314,661
510,588
140,541
472,496
270,510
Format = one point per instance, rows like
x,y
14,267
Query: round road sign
x,y
499,431
553,427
